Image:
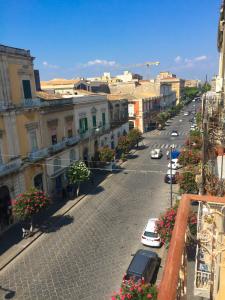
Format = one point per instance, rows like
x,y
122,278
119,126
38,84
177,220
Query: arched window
x,y
72,155
57,164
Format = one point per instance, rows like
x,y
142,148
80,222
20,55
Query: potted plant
x,y
29,203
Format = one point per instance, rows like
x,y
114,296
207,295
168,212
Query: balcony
x,y
57,147
37,102
38,154
10,167
95,131
72,140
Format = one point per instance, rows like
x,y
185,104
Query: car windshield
x,y
151,234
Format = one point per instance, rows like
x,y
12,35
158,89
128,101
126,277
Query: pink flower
x,y
139,289
149,296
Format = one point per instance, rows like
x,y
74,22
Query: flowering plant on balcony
x,y
189,157
30,203
187,182
77,173
136,291
166,222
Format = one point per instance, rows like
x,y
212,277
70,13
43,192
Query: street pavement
x,y
86,257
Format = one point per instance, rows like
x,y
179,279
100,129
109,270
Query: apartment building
x,y
42,133
177,84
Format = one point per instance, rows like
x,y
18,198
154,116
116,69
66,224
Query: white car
x,y
150,237
174,133
186,113
156,153
175,164
193,126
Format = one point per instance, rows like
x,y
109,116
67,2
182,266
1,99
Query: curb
x,y
40,233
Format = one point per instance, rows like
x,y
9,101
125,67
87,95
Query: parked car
x,y
193,126
175,164
174,133
167,178
186,113
144,265
150,237
156,153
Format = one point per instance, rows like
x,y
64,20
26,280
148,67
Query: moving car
x,y
144,265
167,178
175,164
156,153
174,133
150,237
186,113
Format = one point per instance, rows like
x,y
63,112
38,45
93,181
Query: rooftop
x,y
48,96
60,81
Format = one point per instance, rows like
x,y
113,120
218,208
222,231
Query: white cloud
x,y
178,59
200,58
47,65
100,62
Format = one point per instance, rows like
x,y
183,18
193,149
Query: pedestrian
x,y
168,154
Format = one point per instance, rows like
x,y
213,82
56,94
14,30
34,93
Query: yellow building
x,y
177,84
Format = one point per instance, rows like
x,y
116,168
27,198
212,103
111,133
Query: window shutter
x,y
27,89
94,121
86,124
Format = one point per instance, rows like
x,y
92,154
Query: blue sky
x,y
71,38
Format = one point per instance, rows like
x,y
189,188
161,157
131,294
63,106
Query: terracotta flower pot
x,y
219,150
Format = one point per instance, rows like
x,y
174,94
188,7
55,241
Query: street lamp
x,y
171,181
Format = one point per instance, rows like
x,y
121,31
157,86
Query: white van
x,y
156,153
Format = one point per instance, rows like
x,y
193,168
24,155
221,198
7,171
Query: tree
x,y
29,203
134,136
106,154
189,157
206,87
190,92
162,118
124,144
78,172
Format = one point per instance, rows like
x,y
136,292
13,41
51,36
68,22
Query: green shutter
x,y
94,121
86,124
103,119
27,89
80,126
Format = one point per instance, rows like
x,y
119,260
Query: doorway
x,y
5,208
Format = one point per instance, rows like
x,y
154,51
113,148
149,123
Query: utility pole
x,y
171,181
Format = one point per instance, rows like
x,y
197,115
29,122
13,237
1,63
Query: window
x,y
27,89
1,160
94,121
72,155
103,119
69,132
33,140
83,125
54,139
57,164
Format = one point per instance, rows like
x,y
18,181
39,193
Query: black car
x,y
167,178
144,265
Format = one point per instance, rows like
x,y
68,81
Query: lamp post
x,y
171,180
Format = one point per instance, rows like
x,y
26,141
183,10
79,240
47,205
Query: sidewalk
x,y
11,241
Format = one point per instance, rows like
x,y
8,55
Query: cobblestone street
x,y
86,255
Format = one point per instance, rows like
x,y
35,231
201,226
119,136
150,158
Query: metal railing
x,y
72,140
38,154
57,147
10,167
37,102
